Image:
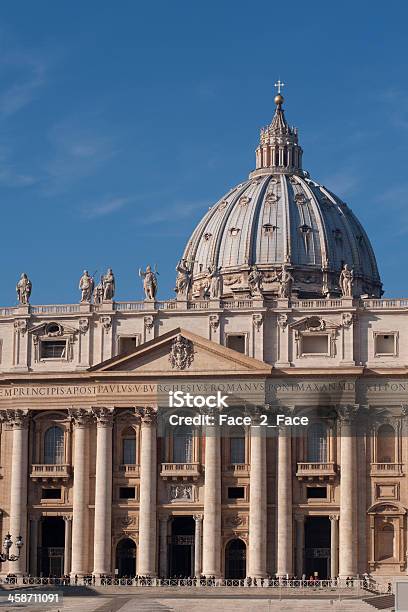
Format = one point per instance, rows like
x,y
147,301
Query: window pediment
x,y
52,340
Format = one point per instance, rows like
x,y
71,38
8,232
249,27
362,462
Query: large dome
x,y
280,217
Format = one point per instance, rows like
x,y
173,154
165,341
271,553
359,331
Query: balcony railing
x,y
386,469
318,470
130,470
180,470
45,471
384,303
316,304
238,469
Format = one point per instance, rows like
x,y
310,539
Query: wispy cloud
x,y
78,150
175,212
394,199
342,183
105,207
22,74
11,174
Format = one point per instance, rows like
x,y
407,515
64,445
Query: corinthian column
x,y
103,492
300,544
284,504
147,505
198,518
80,505
348,526
164,520
257,504
334,544
212,504
67,544
18,420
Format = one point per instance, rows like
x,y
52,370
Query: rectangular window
x,y
127,493
316,492
315,345
53,349
129,451
385,344
236,493
51,494
236,342
182,446
237,450
127,344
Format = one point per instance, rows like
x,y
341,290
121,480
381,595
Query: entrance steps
x,y
381,602
243,605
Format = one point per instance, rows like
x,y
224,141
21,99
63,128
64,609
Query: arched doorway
x,y
52,546
235,559
182,547
126,558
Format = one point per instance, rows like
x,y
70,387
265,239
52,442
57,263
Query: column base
x,y
257,576
78,575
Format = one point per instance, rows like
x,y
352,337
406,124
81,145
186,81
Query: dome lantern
x,y
278,150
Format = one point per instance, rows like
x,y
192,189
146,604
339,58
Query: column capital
x,y
347,414
67,517
147,415
103,416
80,417
164,518
334,517
198,517
16,419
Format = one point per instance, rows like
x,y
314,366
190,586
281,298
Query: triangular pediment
x,y
180,352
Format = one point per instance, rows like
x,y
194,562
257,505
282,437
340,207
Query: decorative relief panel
x,y
181,493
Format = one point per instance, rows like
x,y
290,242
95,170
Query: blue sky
x,y
120,123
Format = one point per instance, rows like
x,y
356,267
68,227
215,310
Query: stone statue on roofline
x,y
149,282
215,281
346,281
183,280
108,285
23,288
86,286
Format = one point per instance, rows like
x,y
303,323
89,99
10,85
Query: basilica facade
x,y
278,307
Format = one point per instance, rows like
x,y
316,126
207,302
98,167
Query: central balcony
x,y
46,472
386,469
185,471
316,471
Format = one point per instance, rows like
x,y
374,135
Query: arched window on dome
x,y
317,443
386,444
129,446
54,446
237,445
183,444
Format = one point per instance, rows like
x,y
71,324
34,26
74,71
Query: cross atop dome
x,y
279,99
279,85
